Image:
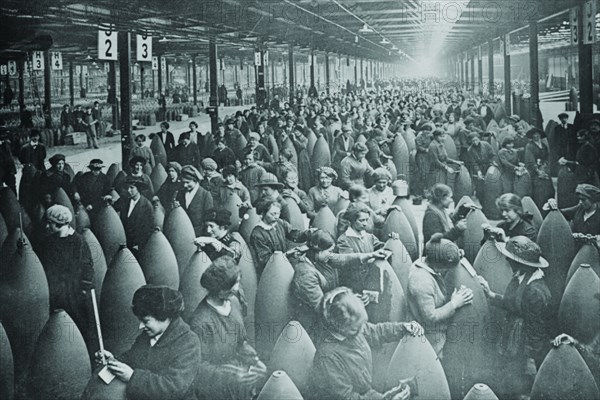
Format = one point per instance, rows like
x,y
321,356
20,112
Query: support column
x,y
259,68
167,77
21,71
472,85
71,85
355,72
491,67
312,72
327,81
213,84
125,82
584,53
480,70
362,77
466,66
112,93
507,84
534,81
195,80
160,79
142,81
47,90
291,69
272,76
81,87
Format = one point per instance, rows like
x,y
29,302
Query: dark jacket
x,y
139,225
186,155
201,202
523,228
35,156
168,141
432,223
167,370
91,188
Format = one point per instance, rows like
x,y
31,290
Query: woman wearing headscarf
x,y
428,299
343,365
316,273
536,158
55,177
165,358
437,219
230,367
324,193
586,160
172,185
527,300
380,194
585,216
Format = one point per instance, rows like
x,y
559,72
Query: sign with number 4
x,y
589,22
144,47
57,61
107,45
155,63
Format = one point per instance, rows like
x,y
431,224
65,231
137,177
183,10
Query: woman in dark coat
x,y
525,340
586,160
165,358
436,218
136,213
194,199
508,159
585,216
343,365
516,221
55,177
230,366
168,191
67,261
536,158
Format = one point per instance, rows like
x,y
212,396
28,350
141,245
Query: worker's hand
x,y
550,205
395,391
89,207
414,328
76,196
562,161
365,298
403,395
461,297
484,285
121,370
480,175
241,375
380,254
530,368
563,338
450,170
394,235
462,224
107,356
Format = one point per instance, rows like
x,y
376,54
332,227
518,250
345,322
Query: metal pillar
x,y
467,85
507,84
112,93
462,72
312,71
355,72
584,53
142,70
534,81
47,90
125,82
291,65
21,71
160,79
195,80
491,67
472,73
167,77
327,81
71,85
213,84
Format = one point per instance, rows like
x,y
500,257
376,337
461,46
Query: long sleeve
x,y
535,306
86,264
345,174
432,224
295,235
505,159
422,292
385,332
591,355
433,150
530,159
307,287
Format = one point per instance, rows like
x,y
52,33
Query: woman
x,y
586,161
291,191
585,216
428,301
194,199
231,185
439,157
423,163
167,138
217,240
516,221
137,171
589,351
230,367
168,191
526,300
536,160
165,359
357,239
325,193
271,233
508,158
359,194
186,152
139,150
354,167
380,195
55,177
436,218
206,143
342,365
316,273
137,214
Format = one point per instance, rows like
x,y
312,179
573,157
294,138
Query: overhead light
x,y
355,39
88,57
384,41
164,39
365,29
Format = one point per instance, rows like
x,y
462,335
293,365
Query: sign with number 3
x,y
107,45
144,47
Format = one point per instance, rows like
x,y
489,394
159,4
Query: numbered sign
x,y
84,70
3,69
589,22
107,45
106,67
57,61
257,59
507,44
266,58
38,60
12,68
144,47
78,69
574,20
163,64
154,63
